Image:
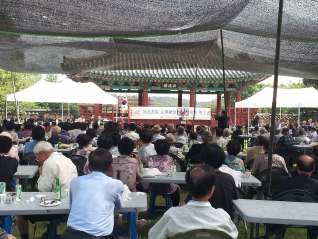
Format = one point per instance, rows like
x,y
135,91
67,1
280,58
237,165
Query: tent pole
x,y
5,117
248,119
15,99
224,87
271,141
280,113
235,117
68,110
19,110
298,116
62,112
117,108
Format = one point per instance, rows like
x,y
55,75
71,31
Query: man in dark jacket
x,y
221,120
305,167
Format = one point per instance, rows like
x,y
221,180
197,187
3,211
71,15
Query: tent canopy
x,y
66,92
293,98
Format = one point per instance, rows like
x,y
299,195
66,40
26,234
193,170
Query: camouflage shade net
x,y
71,36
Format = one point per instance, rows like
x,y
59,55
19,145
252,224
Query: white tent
x,y
293,98
65,92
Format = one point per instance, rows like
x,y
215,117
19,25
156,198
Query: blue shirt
x,y
93,198
29,146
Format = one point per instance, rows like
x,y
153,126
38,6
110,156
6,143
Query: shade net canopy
x,y
72,36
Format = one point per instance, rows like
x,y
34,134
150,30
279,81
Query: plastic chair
x,y
79,162
158,210
202,233
7,224
180,165
178,145
277,173
30,159
296,195
53,227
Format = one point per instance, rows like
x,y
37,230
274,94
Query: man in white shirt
x,y
312,134
180,137
131,134
219,139
200,181
99,120
55,165
302,138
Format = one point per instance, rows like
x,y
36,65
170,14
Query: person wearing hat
x,y
156,129
196,148
173,150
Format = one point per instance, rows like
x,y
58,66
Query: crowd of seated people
x,y
156,141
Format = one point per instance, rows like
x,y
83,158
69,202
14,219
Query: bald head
x,y
305,164
56,130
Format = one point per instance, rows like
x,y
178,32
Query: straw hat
x,y
170,138
156,128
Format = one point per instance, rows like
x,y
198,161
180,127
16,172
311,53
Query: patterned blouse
x,y
82,152
235,163
164,164
129,171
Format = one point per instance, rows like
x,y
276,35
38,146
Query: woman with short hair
x,y
8,165
164,163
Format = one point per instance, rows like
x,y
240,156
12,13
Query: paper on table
x,y
150,172
126,193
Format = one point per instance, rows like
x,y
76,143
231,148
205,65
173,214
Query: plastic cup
x,y
248,174
2,198
67,193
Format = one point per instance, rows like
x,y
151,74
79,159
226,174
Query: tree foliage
x,y
21,82
52,78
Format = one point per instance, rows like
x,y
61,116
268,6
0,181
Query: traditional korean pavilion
x,y
178,78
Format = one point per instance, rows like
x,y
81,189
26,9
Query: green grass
x,y
291,233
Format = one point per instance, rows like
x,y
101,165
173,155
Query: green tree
x,y
52,78
21,82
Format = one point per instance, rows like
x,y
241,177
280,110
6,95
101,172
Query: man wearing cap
x,y
173,150
156,129
196,148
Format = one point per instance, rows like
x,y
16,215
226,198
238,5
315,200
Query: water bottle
x,y
150,163
59,144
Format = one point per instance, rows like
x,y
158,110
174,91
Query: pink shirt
x,y
81,120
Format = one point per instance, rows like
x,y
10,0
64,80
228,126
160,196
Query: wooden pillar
x,y
228,102
139,97
179,98
145,96
97,110
218,103
238,95
192,95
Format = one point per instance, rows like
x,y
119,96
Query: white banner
x,y
177,113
